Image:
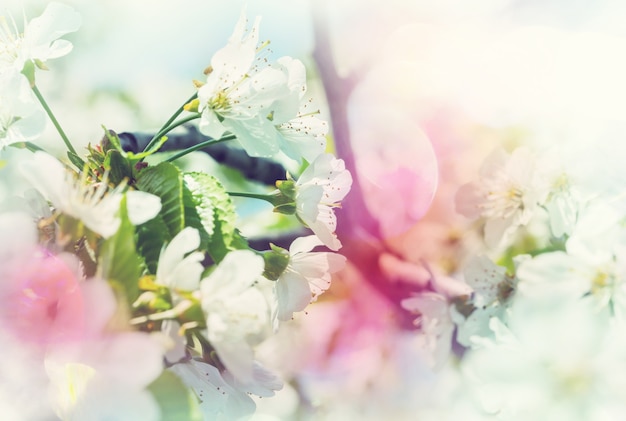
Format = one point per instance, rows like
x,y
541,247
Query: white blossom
x,y
592,266
319,189
96,206
435,323
306,276
247,95
539,367
237,313
492,291
506,196
39,41
105,378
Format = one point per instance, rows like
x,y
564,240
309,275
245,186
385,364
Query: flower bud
x,y
287,188
192,106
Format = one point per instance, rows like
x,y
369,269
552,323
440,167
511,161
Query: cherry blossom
x,y
319,189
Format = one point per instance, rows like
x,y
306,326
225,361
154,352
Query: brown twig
x,y
357,228
357,220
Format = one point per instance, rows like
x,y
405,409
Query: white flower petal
x,y
218,400
177,349
237,357
555,274
264,382
304,244
48,176
234,274
142,206
174,269
210,125
293,294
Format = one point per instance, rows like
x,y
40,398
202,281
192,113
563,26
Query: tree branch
x,y
356,220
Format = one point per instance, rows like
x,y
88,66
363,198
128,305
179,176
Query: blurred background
x,y
418,93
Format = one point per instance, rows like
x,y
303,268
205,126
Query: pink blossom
x,y
43,303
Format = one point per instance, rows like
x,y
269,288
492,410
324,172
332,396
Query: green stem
x,y
163,129
44,104
163,132
266,197
177,124
198,146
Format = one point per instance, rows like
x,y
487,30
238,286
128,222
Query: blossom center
x,y
502,201
573,381
602,282
220,101
10,41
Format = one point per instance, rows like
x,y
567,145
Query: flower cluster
x,y
128,290
261,102
540,312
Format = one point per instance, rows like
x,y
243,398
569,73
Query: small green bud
x,y
192,106
287,188
159,303
276,261
110,141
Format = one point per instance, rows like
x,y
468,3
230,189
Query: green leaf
x,y
174,398
165,181
151,236
76,160
119,167
217,214
195,200
192,216
119,262
205,195
178,210
238,242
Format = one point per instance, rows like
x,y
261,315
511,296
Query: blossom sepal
x,y
109,156
284,198
276,261
29,71
286,209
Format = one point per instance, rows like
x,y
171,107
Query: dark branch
x,y
357,220
262,170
